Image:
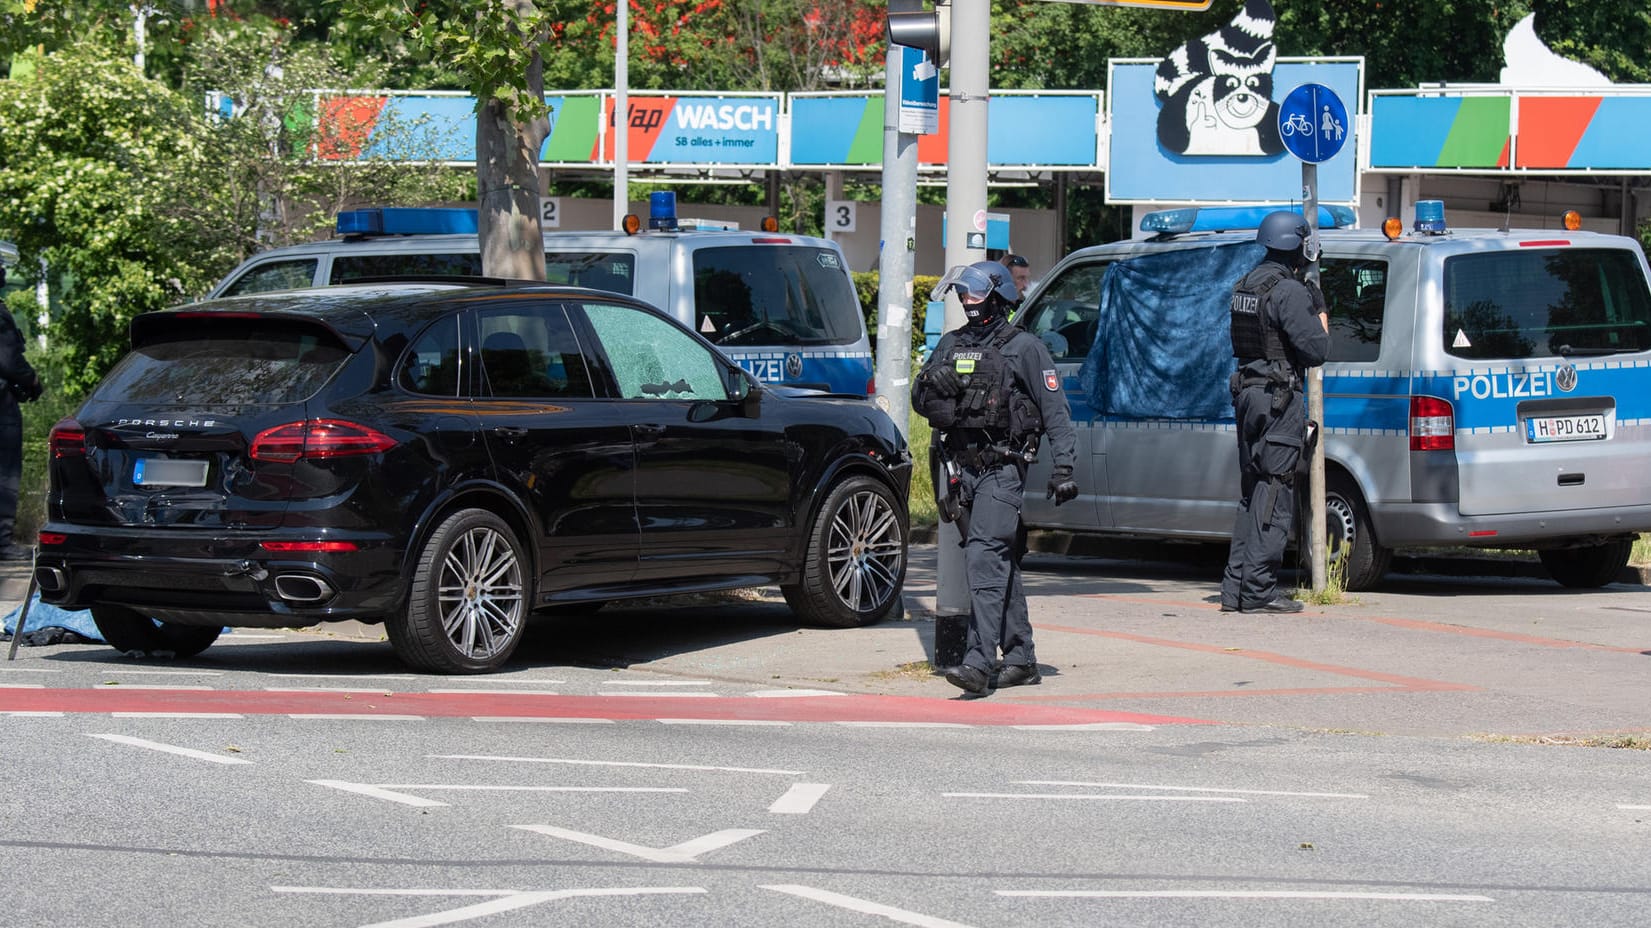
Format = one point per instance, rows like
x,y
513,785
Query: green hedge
x,y
865,286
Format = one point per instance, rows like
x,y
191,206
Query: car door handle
x,y
509,432
649,430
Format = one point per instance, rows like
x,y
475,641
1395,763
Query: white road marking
x,y
31,670
22,686
536,789
177,715
611,763
172,749
508,900
687,852
662,695
720,722
799,799
376,690
351,717
378,792
904,724
34,715
865,907
782,694
1634,808
499,692
1188,789
162,687
1091,796
535,718
1236,894
1088,726
495,681
656,682
335,676
127,671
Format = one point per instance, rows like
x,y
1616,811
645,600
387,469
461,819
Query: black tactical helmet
x,y
985,288
1282,231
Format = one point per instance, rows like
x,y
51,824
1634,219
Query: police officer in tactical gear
x,y
1280,328
991,392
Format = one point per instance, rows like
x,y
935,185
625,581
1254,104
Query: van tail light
x,y
871,385
68,439
317,439
1432,424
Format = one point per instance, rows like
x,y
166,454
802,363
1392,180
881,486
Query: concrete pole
x,y
968,92
898,255
1315,399
622,115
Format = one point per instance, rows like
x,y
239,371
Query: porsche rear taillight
x,y
68,439
317,439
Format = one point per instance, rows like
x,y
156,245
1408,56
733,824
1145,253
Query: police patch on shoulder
x,y
1052,381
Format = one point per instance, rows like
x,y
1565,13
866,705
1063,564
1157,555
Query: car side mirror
x,y
744,391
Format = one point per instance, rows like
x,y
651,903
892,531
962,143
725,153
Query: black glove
x,y
1062,488
28,392
945,380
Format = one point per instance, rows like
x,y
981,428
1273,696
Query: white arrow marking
x,y
687,852
799,799
367,789
172,749
865,906
509,899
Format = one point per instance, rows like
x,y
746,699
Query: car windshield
x,y
223,362
774,294
1541,302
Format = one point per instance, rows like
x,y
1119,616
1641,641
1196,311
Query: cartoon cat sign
x,y
1216,91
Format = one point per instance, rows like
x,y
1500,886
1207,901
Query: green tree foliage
x,y
109,178
1613,37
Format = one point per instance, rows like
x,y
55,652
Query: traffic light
x,y
914,27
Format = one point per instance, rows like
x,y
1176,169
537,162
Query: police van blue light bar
x,y
399,220
1226,218
1430,217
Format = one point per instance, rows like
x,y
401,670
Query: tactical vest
x,y
1253,334
988,381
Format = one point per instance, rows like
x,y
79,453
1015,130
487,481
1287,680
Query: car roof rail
x,y
456,280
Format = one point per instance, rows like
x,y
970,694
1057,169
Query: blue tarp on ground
x,y
1162,348
46,615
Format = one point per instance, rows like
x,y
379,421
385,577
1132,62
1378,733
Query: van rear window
x,y
226,362
1543,302
775,294
346,268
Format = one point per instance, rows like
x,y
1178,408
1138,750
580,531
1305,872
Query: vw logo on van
x,y
794,365
1565,378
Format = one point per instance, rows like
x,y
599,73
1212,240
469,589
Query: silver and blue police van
x,y
1485,388
781,306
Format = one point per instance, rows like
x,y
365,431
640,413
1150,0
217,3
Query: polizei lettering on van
x,y
723,116
1509,385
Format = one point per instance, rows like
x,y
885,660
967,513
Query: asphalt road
x,y
1409,757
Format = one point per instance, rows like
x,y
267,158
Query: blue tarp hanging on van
x,y
1162,348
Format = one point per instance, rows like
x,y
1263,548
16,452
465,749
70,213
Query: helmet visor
x,y
971,283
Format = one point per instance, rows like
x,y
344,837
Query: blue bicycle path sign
x,y
1313,123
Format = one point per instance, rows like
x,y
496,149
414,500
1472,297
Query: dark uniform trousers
x,y
11,465
991,555
1269,450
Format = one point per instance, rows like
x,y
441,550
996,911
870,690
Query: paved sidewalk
x,y
1428,654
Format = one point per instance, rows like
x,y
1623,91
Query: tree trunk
x,y
507,186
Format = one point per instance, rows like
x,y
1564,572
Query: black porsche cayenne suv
x,y
446,460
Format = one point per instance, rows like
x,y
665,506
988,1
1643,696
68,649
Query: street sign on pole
x,y
919,92
1313,123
